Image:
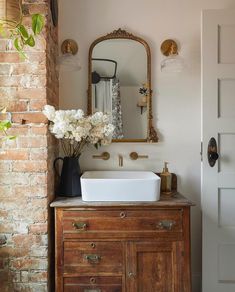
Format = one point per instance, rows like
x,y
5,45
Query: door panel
x,y
218,183
155,267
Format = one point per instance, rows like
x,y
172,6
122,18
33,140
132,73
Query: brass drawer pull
x,y
92,290
166,224
92,280
93,245
123,214
80,225
93,258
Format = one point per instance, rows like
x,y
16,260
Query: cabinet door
x,y
155,267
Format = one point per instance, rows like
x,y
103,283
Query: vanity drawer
x,y
121,223
93,257
93,284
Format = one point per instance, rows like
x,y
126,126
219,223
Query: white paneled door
x,y
218,181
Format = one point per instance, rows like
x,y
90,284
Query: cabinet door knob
x,y
80,225
93,258
166,224
131,275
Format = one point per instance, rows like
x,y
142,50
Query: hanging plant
x,y
4,126
18,34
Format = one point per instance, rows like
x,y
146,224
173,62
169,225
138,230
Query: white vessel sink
x,y
120,186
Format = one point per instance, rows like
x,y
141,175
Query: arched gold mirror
x,y
119,83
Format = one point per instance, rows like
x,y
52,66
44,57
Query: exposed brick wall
x,y
26,174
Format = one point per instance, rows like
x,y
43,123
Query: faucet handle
x,y
104,156
135,156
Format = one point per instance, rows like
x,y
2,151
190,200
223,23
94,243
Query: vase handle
x,y
57,159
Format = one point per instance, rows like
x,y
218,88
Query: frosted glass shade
x,y
173,63
69,62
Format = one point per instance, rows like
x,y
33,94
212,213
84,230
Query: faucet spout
x,y
120,160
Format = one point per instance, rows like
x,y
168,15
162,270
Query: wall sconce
x,y
173,62
68,61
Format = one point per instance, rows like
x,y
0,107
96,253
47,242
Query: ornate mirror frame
x,y
122,34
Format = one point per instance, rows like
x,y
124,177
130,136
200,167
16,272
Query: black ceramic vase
x,y
70,185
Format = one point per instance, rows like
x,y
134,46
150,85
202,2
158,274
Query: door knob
x,y
212,152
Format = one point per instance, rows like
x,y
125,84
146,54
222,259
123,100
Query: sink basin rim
x,y
120,186
119,175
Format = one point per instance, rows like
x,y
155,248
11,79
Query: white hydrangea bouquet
x,y
75,130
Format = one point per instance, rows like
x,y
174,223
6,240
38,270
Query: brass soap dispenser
x,y
166,178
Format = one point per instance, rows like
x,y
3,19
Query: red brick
x,y
11,251
19,130
32,142
27,240
9,57
29,263
29,166
15,178
14,105
38,179
14,155
31,93
3,215
9,81
27,118
8,92
37,104
5,166
36,191
38,154
39,130
38,276
38,228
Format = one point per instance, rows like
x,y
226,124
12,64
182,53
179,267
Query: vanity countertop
x,y
176,199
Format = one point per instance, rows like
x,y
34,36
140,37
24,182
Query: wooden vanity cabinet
x,y
123,247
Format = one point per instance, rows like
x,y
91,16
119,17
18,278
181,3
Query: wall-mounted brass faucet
x,y
120,160
135,156
104,156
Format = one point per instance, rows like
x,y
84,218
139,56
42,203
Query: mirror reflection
x,y
119,83
119,72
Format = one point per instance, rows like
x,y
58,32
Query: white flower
x,y
108,130
78,130
49,112
79,114
97,118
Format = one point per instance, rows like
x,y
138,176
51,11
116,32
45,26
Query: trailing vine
x,y
19,35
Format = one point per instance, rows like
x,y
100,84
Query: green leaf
x,y
2,31
22,29
5,125
23,56
30,41
18,44
37,23
9,137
